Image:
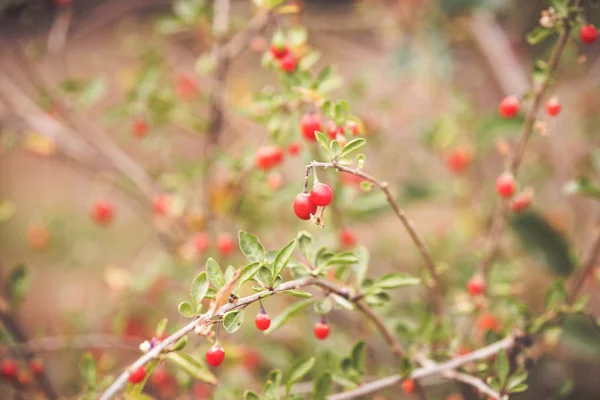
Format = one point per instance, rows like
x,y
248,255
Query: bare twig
x,y
586,267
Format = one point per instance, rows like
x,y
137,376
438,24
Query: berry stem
x,y
262,309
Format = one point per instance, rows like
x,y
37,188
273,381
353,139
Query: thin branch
x,y
435,286
588,265
57,343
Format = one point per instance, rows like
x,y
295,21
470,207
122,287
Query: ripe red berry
x,y
521,201
9,368
553,107
509,107
268,157
262,321
36,366
102,212
139,129
458,160
408,386
333,130
309,123
137,376
288,63
201,242
303,207
295,147
321,195
321,330
488,322
505,185
279,52
160,205
588,34
215,355
476,286
347,238
225,244
354,128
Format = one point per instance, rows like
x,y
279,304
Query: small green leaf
x,y
538,35
192,367
322,307
305,243
502,367
297,372
283,257
161,326
519,388
298,293
248,273
395,280
251,247
352,146
322,140
343,302
186,309
250,395
335,150
215,275
199,288
87,368
287,314
232,321
359,353
264,276
229,272
180,344
362,264
378,299
17,284
344,258
322,387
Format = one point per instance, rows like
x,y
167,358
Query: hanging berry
x,y
509,107
303,207
321,195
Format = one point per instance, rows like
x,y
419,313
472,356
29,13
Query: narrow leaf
x,y
160,327
322,140
322,387
287,314
298,371
352,146
358,356
297,293
362,265
283,257
502,367
335,149
395,280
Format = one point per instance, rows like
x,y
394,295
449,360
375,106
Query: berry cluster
x,y
312,122
305,204
506,188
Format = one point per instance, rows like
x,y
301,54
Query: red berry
x,y
139,129
303,207
505,185
321,330
160,205
309,123
201,242
347,238
458,160
138,375
186,87
9,368
36,366
476,286
294,148
279,52
553,107
288,63
354,128
268,157
262,321
408,386
225,244
488,322
509,107
215,355
102,212
588,34
333,130
321,195
521,201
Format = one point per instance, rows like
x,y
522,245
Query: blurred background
x,y
424,76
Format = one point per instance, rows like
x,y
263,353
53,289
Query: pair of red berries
x,y
509,107
306,204
225,243
506,187
282,53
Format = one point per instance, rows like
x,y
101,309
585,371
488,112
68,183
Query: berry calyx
x,y
262,321
458,160
9,368
321,330
295,148
279,51
321,195
215,355
553,107
137,376
588,34
139,128
505,185
408,386
347,238
509,107
476,286
102,212
303,207
225,244
521,201
309,124
268,157
36,366
201,242
160,205
288,63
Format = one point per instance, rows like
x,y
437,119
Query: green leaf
x,y
283,257
516,379
232,321
264,276
362,265
17,284
247,273
180,344
322,140
161,326
229,272
297,372
322,387
348,305
297,293
378,299
92,92
359,355
87,368
352,146
287,314
542,240
396,280
192,367
335,150
519,388
322,307
199,288
502,367
215,275
582,187
324,74
186,309
251,247
539,34
305,243
250,395
344,258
